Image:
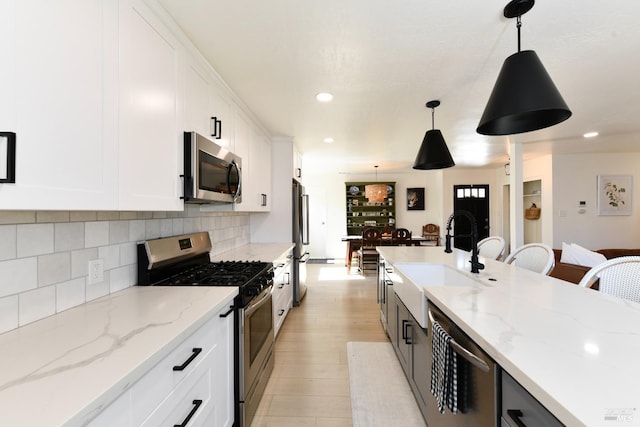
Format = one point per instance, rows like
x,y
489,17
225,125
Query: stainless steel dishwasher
x,y
476,380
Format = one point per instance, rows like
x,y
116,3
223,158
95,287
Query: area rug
x,y
380,393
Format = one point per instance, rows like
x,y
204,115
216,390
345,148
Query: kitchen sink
x,y
414,277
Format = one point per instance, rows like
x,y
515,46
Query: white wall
x,y
575,179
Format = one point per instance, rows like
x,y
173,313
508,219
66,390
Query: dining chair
x,y
491,247
619,277
367,255
431,233
536,257
401,237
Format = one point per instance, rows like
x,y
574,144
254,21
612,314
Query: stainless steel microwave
x,y
212,174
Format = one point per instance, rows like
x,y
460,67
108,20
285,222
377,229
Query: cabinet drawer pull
x,y
405,331
515,415
196,352
196,405
281,312
228,312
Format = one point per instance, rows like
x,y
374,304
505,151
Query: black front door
x,y
475,199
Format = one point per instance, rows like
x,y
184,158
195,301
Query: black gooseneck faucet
x,y
476,265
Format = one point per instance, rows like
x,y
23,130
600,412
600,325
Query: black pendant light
x,y
524,97
433,153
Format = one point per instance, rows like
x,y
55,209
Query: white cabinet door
x,y
59,86
150,152
197,102
222,109
255,150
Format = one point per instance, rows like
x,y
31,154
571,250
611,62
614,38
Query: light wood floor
x,y
309,386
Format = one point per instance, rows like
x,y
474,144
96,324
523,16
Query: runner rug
x,y
380,393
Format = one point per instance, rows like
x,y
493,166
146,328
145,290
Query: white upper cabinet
x,y
150,127
58,81
207,110
255,151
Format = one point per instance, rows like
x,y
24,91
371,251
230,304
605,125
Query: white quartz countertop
x,y
64,369
266,252
572,348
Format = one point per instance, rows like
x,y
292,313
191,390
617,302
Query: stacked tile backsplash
x,y
44,256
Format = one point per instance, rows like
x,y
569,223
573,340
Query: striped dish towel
x,y
444,381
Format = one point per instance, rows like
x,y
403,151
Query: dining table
x,y
354,242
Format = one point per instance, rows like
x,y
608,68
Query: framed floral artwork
x,y
615,194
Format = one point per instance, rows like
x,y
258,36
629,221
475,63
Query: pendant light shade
x,y
524,97
433,153
376,193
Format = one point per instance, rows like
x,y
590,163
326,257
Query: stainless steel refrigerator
x,y
300,238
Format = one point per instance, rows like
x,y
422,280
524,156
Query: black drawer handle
x,y
281,312
196,405
515,415
405,331
228,312
196,352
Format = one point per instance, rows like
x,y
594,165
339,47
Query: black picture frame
x,y
415,199
8,151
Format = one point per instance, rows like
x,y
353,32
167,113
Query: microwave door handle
x,y
232,166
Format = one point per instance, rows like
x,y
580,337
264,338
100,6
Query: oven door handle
x,y
266,294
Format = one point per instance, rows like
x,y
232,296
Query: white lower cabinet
x,y
194,382
282,292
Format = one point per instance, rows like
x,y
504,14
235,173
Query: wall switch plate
x,y
96,271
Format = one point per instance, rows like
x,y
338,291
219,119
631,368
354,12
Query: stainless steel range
x,y
184,261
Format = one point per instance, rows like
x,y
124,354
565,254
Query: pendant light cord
x,y
433,112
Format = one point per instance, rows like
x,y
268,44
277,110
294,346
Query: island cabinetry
x,y
194,382
362,212
411,344
282,292
520,408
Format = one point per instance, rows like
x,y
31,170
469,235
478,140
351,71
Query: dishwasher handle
x,y
463,352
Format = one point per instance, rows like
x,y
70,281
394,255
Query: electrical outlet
x,y
96,271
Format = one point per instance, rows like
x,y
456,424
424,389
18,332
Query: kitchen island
x,y
575,350
65,369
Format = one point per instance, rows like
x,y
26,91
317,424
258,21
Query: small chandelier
x,y
375,193
433,153
524,97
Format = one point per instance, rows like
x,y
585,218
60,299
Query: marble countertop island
x,y
574,349
64,369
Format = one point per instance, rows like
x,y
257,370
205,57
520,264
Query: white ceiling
x,y
384,59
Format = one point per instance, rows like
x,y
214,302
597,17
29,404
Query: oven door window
x,y
213,174
260,329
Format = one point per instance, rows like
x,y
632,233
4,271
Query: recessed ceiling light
x,y
590,134
324,97
328,140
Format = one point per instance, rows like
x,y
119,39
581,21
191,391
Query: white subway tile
x,y
98,290
137,230
54,268
8,248
96,234
37,304
166,228
128,253
120,278
18,275
9,308
83,216
17,217
118,232
152,229
52,216
110,255
70,294
34,239
68,236
178,226
80,261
